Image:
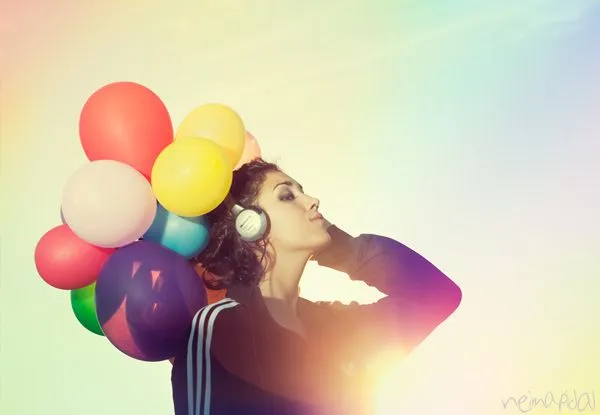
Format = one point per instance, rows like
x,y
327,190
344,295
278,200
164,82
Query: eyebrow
x,y
288,183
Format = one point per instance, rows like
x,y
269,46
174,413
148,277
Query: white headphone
x,y
251,223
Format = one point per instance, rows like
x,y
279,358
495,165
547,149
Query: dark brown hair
x,y
227,258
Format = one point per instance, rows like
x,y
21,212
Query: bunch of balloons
x,y
134,215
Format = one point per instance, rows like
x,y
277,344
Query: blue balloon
x,y
186,236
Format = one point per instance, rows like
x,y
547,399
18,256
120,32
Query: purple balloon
x,y
146,298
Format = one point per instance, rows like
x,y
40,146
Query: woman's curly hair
x,y
227,257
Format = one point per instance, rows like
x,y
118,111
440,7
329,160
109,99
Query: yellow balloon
x,y
191,176
217,123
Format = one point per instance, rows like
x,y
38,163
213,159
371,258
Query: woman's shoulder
x,y
216,320
219,320
225,311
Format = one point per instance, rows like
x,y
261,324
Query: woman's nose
x,y
314,203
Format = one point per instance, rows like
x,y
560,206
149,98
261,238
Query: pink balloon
x,y
251,151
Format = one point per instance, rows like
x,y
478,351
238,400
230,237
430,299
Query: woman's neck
x,y
280,288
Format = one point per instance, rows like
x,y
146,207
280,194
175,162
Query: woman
x,y
265,350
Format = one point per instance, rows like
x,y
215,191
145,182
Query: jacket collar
x,y
249,296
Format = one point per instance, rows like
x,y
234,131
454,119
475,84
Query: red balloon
x,y
125,122
67,262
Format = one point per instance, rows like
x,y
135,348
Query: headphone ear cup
x,y
251,224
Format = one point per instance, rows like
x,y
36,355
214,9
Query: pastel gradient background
x,y
468,130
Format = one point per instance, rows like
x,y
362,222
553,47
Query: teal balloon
x,y
186,236
83,303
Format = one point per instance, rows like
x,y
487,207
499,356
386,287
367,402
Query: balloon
x,y
126,122
146,298
108,203
217,123
212,295
251,151
67,262
186,236
191,177
83,303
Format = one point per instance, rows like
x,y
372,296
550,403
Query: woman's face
x,y
296,224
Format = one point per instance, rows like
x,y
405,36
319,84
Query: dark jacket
x,y
238,360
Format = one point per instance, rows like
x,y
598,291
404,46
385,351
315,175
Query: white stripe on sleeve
x,y
203,383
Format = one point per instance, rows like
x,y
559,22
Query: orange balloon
x,y
212,295
251,151
215,295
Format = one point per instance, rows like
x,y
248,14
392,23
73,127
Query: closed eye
x,y
288,196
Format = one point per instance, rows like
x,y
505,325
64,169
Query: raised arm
x,y
419,296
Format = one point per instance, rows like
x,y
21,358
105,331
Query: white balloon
x,y
108,203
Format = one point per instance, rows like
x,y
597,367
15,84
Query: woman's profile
x,y
263,349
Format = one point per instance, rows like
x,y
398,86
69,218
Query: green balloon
x,y
83,302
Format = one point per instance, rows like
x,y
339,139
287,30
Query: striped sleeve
x,y
198,365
